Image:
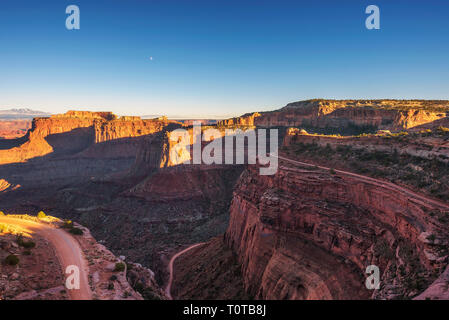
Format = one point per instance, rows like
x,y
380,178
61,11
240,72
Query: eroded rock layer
x,y
97,134
77,146
310,234
341,114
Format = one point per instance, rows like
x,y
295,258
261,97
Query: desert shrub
x,y
26,244
382,248
76,231
443,218
41,215
27,253
431,237
149,294
406,252
68,224
113,277
119,267
110,286
139,287
29,244
332,171
417,284
327,150
12,260
344,149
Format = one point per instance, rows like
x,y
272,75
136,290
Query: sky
x,y
218,58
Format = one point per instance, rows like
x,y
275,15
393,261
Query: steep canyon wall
x,y
306,234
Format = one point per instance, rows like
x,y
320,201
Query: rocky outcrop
x,y
51,134
245,120
310,234
105,282
340,114
86,115
76,147
89,132
170,149
127,127
144,282
134,283
423,146
438,290
39,274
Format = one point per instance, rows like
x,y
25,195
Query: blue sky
x,y
218,57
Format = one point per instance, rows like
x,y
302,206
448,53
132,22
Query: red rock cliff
x,y
379,114
309,234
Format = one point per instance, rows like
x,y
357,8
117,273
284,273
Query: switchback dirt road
x,y
170,268
385,184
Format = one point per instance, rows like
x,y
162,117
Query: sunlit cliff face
x,y
310,234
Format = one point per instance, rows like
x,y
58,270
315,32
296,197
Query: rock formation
x,y
425,145
76,131
304,233
245,120
309,234
340,114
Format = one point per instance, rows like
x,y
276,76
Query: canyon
x,y
114,176
310,231
14,128
342,116
340,224
307,232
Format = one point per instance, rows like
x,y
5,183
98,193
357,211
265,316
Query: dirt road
x,y
67,250
385,184
170,268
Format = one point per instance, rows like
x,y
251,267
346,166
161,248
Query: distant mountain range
x,y
16,114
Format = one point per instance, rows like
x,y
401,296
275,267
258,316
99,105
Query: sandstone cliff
x,y
245,120
77,131
76,147
417,159
423,145
340,114
310,234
